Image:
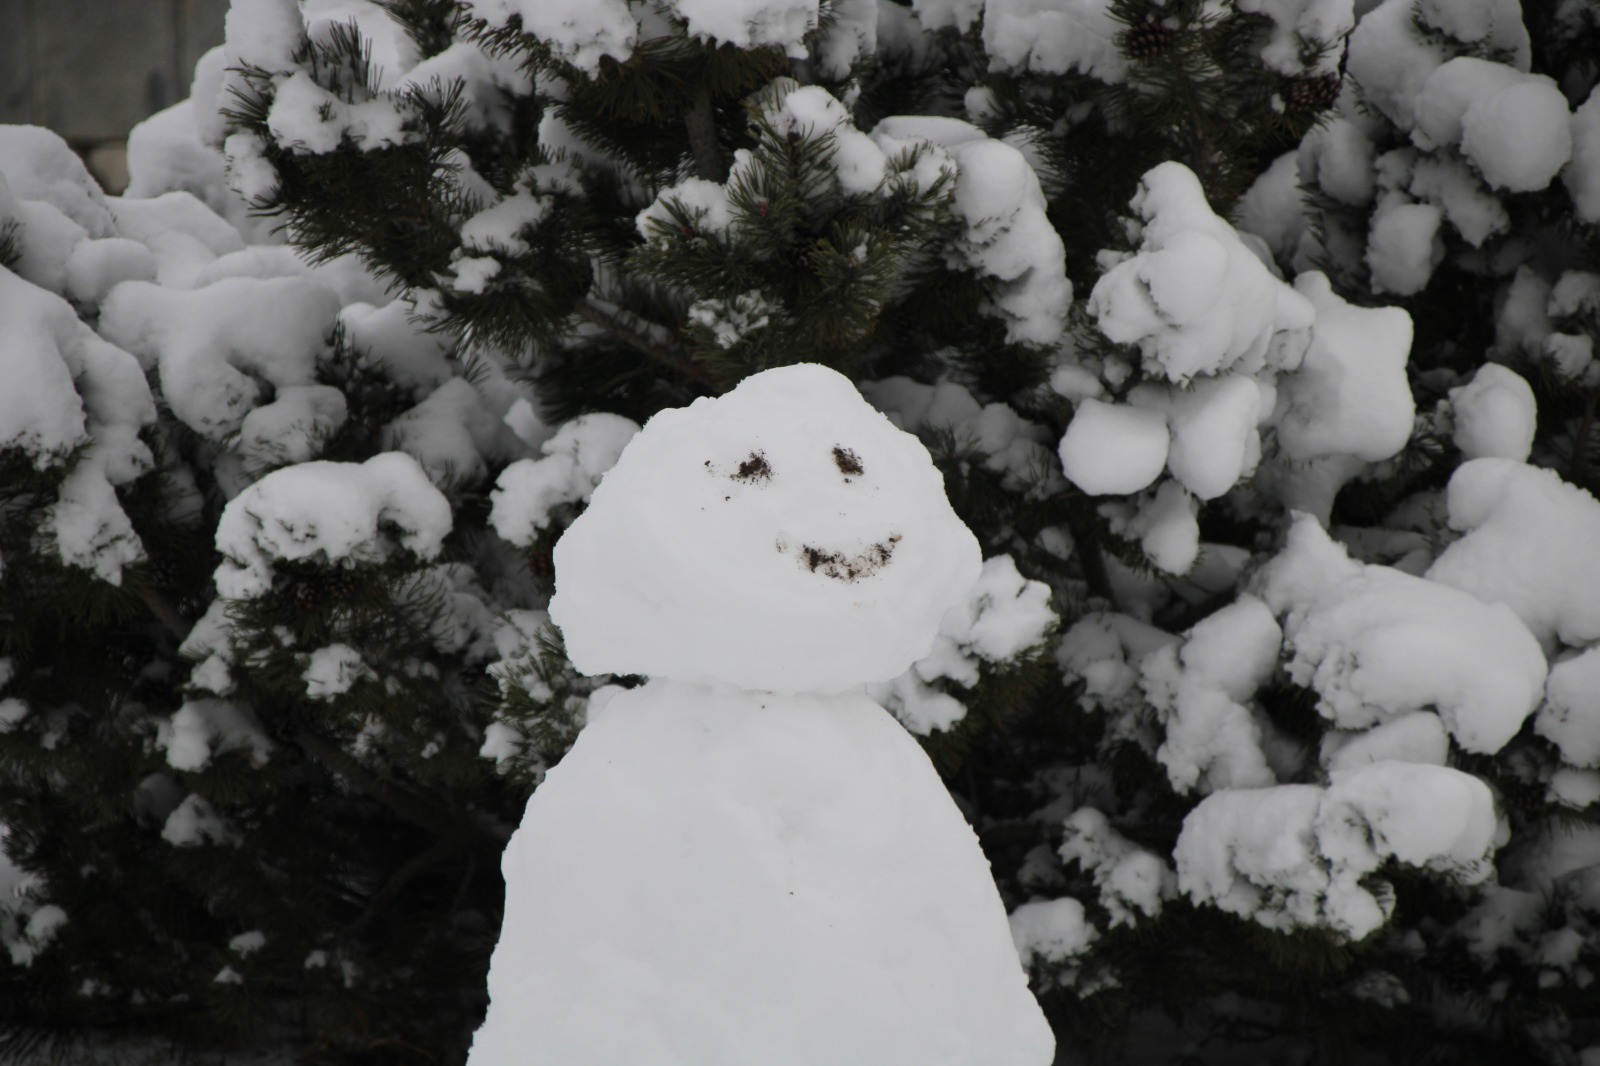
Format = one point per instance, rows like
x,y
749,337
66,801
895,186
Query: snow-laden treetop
x,y
784,537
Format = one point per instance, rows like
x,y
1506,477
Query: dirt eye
x,y
848,462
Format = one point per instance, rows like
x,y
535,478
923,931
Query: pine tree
x,y
1150,280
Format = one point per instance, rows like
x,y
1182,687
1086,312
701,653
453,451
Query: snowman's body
x,y
719,875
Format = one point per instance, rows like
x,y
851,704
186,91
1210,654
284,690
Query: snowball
x,y
1451,91
1532,543
1404,247
1194,298
38,165
813,895
575,460
1495,414
1451,185
1570,718
1350,395
1213,426
1518,137
1376,643
1391,61
1114,450
328,512
846,552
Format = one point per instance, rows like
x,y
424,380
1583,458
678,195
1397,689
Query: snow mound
x,y
1570,717
1495,415
328,512
1113,450
1194,297
784,537
1376,643
1532,543
1350,395
1200,690
1297,856
851,918
210,346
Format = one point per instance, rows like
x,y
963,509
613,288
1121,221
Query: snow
x,y
1295,856
194,823
1570,717
1495,415
1133,883
1195,298
579,32
328,513
751,23
1049,37
1518,137
812,896
1417,737
1582,174
574,461
1052,931
1404,247
203,727
1213,425
1113,450
1009,239
1294,22
246,944
1350,394
1167,527
1006,443
333,671
1003,617
1376,643
210,345
1199,688
1532,543
67,387
846,552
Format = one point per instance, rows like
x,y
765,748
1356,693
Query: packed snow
x,y
835,522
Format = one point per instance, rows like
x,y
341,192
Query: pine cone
x,y
1312,94
1147,41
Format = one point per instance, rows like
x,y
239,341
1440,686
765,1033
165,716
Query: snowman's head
x,y
784,537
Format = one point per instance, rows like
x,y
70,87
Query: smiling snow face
x,y
784,537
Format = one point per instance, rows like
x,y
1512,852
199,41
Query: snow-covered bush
x,y
1254,341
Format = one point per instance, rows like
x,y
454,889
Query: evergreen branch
x,y
666,355
399,879
701,124
165,613
391,794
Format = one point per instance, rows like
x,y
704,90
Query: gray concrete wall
x,y
92,69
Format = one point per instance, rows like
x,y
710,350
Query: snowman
x,y
745,861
